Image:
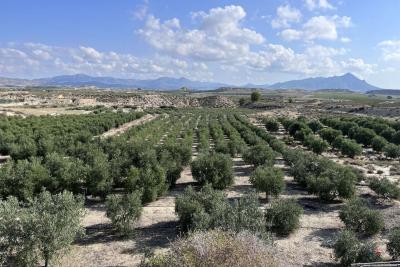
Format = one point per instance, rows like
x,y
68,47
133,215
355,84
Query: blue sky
x,y
234,42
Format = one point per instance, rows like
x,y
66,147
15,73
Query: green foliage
x,y
268,179
348,249
391,151
316,144
242,101
124,211
150,181
358,217
329,134
271,124
350,148
315,125
41,229
385,188
362,135
283,216
255,96
215,169
259,154
378,143
393,246
209,209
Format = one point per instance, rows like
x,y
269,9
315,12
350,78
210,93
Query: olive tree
x,y
215,169
269,180
124,210
255,96
259,154
41,229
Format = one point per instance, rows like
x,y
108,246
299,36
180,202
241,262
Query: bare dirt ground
x,y
39,111
123,128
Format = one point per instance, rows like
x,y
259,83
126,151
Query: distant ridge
x,y
79,80
347,81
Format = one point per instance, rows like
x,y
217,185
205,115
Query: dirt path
x,y
123,128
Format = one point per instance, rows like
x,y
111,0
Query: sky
x,y
234,42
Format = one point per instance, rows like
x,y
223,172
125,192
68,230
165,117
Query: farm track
x,y
123,128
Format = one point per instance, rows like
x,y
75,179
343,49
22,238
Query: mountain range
x,y
346,81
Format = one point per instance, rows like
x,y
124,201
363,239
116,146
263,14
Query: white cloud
x,y
319,27
345,40
318,4
219,35
358,65
286,15
390,50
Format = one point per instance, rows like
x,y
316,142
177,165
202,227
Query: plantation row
x,y
38,136
132,161
381,138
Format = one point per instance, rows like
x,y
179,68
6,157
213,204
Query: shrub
x,y
209,209
329,134
350,148
215,169
41,229
385,188
387,133
396,138
259,154
378,143
393,246
271,124
362,135
391,151
269,180
317,145
255,96
315,125
348,249
358,217
124,211
283,216
216,248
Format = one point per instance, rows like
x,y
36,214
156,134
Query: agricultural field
x,y
277,178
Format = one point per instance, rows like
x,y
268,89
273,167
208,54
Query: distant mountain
x,y
79,80
347,81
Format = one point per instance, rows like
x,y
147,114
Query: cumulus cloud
x,y
33,60
219,35
390,50
318,27
318,4
286,15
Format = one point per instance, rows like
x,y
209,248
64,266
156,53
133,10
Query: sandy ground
x,y
27,111
126,126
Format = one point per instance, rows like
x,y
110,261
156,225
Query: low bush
x,y
215,169
378,143
283,217
40,230
385,188
271,124
350,148
209,209
268,179
348,249
329,134
316,144
358,217
391,151
393,246
124,211
259,154
216,248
